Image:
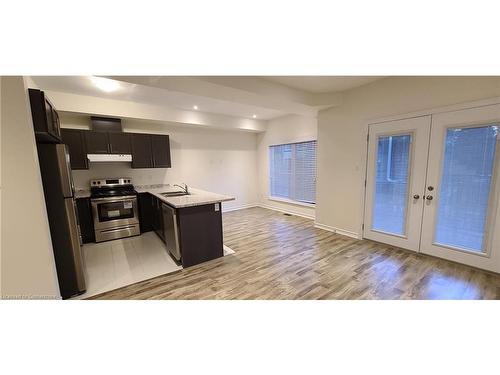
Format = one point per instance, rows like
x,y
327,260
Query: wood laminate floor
x,y
285,257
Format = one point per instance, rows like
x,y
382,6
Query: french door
x,y
432,185
461,202
397,158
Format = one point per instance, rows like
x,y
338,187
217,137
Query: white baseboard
x,y
348,233
340,231
242,207
343,232
291,212
324,227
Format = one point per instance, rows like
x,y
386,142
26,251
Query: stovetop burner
x,y
115,187
103,192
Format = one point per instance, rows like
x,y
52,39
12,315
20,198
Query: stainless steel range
x,y
114,207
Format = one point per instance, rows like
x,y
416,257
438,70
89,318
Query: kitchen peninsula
x,y
189,223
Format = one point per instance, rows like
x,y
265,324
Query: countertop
x,y
196,197
82,193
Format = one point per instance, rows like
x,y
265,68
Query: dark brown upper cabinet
x,y
119,143
107,142
141,151
45,118
160,149
75,142
96,142
150,151
106,124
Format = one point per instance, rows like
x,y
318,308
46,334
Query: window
x,y
293,171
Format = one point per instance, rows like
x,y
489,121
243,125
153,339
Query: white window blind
x,y
293,171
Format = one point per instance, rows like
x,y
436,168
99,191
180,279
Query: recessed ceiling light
x,y
105,84
254,116
195,107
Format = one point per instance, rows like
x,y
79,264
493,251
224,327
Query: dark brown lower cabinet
x,y
200,233
199,228
145,201
85,219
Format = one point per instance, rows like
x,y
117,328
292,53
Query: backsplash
x,y
110,170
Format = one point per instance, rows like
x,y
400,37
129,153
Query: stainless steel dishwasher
x,y
170,231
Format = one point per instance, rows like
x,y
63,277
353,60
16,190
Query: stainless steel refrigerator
x,y
62,215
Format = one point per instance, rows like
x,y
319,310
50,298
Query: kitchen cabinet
x,y
145,201
150,151
85,220
107,142
119,143
200,233
141,151
160,150
106,124
75,143
46,122
192,234
96,142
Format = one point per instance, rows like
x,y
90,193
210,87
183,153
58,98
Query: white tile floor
x,y
114,264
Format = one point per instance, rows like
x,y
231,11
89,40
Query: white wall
x,y
286,129
75,103
215,160
342,135
28,268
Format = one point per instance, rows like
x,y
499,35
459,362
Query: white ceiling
x,y
82,85
241,97
322,84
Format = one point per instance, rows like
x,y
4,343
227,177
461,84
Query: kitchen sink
x,y
175,194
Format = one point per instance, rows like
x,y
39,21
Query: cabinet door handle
x,y
429,197
416,196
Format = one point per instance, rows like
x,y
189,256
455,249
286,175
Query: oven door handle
x,y
113,199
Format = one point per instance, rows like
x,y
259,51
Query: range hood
x,y
126,158
107,124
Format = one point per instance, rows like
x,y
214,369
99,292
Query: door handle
x,y
429,197
416,196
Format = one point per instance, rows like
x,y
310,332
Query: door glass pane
x,y
465,187
391,184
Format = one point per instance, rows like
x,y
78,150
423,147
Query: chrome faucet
x,y
184,188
